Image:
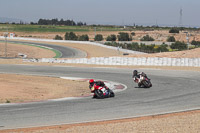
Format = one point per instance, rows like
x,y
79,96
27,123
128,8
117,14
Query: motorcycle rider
x,y
92,82
98,85
138,77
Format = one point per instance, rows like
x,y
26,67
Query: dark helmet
x,y
91,81
135,72
143,74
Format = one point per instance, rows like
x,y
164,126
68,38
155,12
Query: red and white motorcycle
x,y
101,92
144,81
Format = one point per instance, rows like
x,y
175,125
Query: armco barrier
x,y
125,61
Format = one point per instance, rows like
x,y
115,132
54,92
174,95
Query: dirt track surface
x,y
186,122
193,53
20,88
32,52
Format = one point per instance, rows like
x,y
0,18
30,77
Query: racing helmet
x,y
91,81
135,72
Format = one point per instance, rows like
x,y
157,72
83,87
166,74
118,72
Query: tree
x,y
71,36
147,38
196,43
171,39
174,30
80,24
84,38
179,45
133,33
57,37
124,37
162,48
98,37
57,22
111,38
133,46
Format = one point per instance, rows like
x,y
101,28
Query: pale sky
x,y
118,12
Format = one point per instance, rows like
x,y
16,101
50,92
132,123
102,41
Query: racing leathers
x,y
98,85
139,77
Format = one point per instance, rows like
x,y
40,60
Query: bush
x,y
98,37
84,38
112,44
111,38
147,48
133,33
174,30
162,48
147,38
150,48
7,101
179,45
133,46
57,37
71,36
124,37
171,39
196,43
142,47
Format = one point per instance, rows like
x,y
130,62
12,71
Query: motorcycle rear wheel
x,y
112,94
147,84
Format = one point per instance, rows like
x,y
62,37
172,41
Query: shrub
x,y
111,38
133,33
162,48
195,43
179,45
142,47
112,44
98,37
150,48
7,101
171,39
174,30
71,36
133,46
84,38
147,38
57,37
124,37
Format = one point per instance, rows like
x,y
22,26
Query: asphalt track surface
x,y
172,91
67,52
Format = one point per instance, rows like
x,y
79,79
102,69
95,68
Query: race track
x,y
66,52
172,91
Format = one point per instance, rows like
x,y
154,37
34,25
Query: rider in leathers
x,y
138,77
97,84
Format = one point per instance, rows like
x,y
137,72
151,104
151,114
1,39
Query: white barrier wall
x,y
126,61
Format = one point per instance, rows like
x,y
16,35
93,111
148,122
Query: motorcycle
x,y
145,83
102,92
